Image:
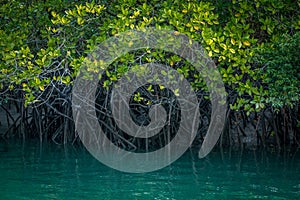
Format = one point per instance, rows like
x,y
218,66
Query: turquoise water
x,y
32,171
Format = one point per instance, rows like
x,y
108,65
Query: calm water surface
x,y
31,171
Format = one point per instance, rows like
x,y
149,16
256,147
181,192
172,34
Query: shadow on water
x,y
33,171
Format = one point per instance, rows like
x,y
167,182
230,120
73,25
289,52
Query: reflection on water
x,y
31,171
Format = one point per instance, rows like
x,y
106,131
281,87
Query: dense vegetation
x,y
255,45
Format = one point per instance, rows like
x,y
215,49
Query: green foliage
x,y
280,63
44,43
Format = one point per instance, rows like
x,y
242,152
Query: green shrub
x,y
280,67
44,43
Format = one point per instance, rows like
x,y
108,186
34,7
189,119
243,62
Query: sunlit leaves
x,y
40,51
